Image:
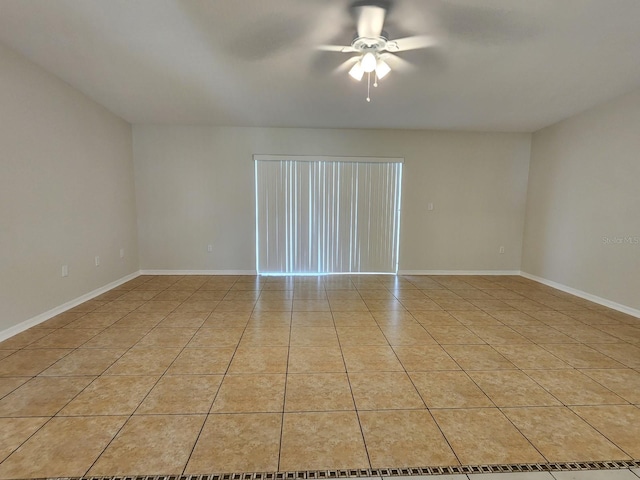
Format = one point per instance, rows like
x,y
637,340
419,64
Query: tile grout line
x,y
573,368
455,454
61,408
491,400
503,414
532,298
224,375
569,405
353,398
130,416
75,396
420,395
286,381
601,433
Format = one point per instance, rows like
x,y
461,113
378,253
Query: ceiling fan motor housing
x,y
373,44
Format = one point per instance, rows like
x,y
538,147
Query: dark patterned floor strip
x,y
388,472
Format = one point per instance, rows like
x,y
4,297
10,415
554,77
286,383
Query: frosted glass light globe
x,y
369,62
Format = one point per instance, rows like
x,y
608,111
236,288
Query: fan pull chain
x,y
375,79
368,87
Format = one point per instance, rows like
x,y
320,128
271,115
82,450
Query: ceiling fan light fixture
x,y
369,62
371,44
357,71
382,69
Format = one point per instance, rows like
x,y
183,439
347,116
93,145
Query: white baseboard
x,y
584,295
459,272
198,272
31,322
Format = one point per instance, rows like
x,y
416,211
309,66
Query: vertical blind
x,y
319,216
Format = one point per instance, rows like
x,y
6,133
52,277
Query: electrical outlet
x,y
501,250
65,270
97,260
209,248
122,253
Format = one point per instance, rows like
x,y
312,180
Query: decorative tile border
x,y
389,472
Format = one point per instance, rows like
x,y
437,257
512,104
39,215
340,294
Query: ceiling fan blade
x,y
370,20
396,63
337,48
346,65
412,43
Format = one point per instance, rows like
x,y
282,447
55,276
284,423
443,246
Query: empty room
x,y
315,239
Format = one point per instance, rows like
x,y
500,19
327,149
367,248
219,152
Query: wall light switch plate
x,y
209,248
501,250
97,260
122,253
65,270
430,206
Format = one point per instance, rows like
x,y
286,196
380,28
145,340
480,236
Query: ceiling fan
x,y
375,51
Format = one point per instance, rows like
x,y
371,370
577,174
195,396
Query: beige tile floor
x,y
200,374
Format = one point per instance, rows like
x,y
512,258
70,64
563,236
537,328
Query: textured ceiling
x,y
501,65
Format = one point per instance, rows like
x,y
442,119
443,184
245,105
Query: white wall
x,y
195,186
66,192
584,185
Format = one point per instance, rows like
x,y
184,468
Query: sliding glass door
x,y
327,215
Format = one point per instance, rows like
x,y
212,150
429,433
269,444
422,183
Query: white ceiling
x,y
502,65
